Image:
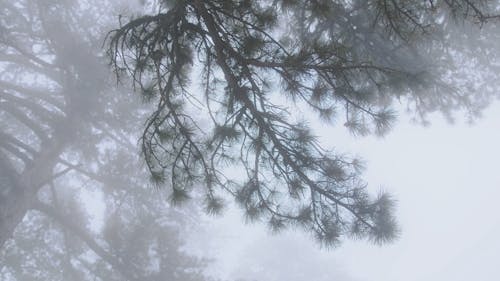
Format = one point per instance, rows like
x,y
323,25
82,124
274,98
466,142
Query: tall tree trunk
x,y
14,201
18,191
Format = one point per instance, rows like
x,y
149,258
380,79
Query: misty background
x,y
69,135
446,182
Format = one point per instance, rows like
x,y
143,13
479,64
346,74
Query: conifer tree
x,y
233,61
63,135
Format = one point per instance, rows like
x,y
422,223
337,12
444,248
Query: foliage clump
x,y
343,59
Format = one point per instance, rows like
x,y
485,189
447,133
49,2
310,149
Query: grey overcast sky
x,y
446,179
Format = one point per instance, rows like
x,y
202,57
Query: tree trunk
x,y
18,191
14,201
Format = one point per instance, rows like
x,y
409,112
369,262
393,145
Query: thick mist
x,y
129,151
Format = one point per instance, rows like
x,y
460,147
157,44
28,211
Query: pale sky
x,y
447,183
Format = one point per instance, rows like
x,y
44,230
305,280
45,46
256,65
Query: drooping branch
x,y
172,143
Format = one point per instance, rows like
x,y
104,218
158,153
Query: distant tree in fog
x,y
58,241
64,134
227,78
50,82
